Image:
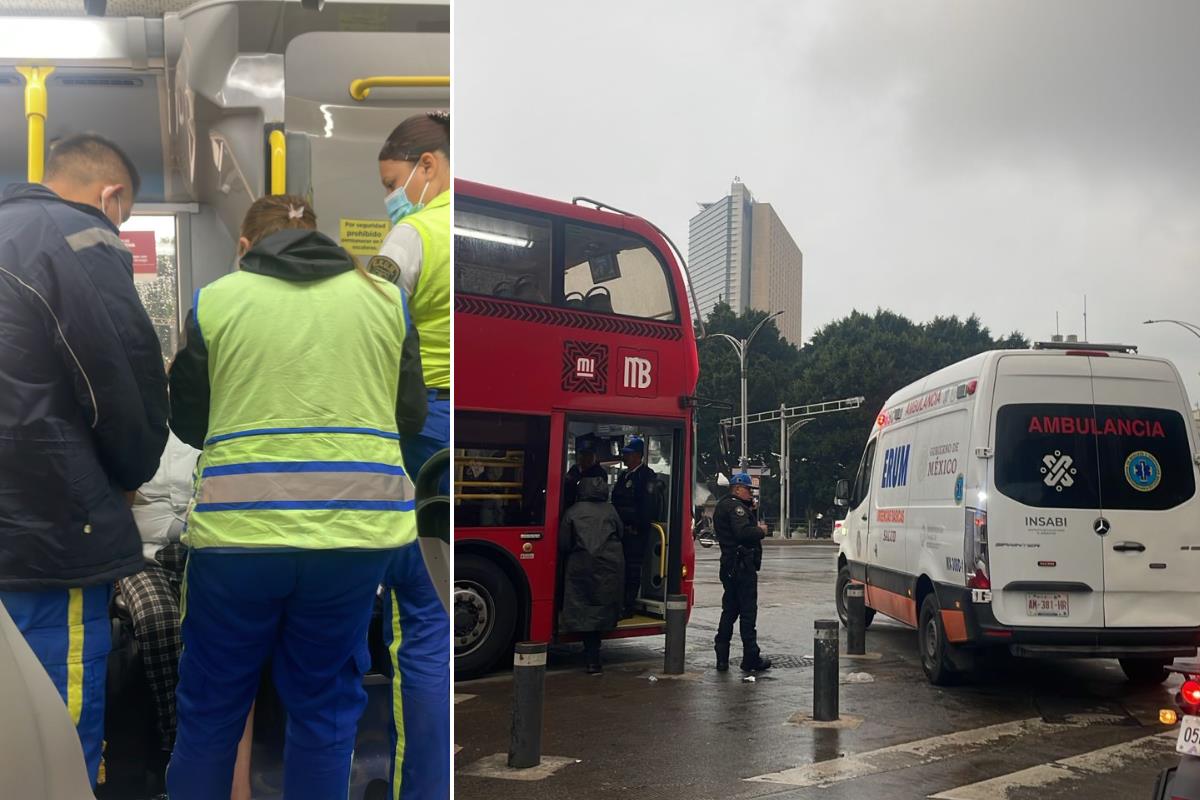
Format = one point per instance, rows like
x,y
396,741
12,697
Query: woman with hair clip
x,y
414,166
297,380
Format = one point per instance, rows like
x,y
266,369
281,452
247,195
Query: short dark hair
x,y
88,157
424,133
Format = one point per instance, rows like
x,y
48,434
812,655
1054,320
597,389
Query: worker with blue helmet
x,y
740,536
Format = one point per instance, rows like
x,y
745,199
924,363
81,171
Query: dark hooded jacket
x,y
589,538
299,256
83,395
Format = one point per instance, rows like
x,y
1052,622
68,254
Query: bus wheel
x,y
933,644
485,615
1145,671
843,583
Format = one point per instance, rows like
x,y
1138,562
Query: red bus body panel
x,y
491,374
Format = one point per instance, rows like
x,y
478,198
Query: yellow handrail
x,y
35,116
662,561
278,144
360,88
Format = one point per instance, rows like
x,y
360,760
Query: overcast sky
x,y
998,158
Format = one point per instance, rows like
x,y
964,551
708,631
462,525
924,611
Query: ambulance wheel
x,y
933,644
485,615
843,583
1145,671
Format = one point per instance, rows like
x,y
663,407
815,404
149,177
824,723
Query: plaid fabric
x,y
153,599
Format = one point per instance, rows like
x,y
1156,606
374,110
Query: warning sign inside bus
x,y
363,237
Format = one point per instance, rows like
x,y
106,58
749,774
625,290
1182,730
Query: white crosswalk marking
x,y
924,751
1104,761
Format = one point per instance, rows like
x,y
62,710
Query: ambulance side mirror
x,y
841,493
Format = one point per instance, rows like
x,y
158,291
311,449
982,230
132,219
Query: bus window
x,y
501,253
614,273
151,237
500,465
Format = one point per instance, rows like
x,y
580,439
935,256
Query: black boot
x,y
760,664
591,648
722,657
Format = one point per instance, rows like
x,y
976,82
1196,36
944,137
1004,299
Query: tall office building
x,y
740,252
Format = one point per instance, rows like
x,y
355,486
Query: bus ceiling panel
x,y
131,42
320,67
123,105
76,8
269,26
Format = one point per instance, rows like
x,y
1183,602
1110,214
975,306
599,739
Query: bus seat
x,y
599,299
526,288
40,754
503,289
433,521
573,300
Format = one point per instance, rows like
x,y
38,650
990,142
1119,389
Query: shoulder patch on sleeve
x,y
385,268
741,512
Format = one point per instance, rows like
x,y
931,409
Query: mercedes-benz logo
x,y
1101,526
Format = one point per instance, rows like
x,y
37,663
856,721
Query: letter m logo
x,y
639,372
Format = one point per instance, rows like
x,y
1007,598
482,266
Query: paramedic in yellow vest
x,y
297,380
414,166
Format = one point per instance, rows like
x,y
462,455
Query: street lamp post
x,y
740,346
1190,327
785,480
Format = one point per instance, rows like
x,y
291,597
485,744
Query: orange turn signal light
x,y
1168,716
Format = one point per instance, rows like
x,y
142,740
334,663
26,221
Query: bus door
x,y
661,557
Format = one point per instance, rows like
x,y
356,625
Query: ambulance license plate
x,y
1047,604
1189,736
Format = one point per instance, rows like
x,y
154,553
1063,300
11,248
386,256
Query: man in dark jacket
x,y
740,537
586,465
633,495
83,414
589,540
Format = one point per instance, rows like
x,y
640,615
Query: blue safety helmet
x,y
741,479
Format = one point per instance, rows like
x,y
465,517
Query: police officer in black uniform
x,y
587,465
633,495
740,537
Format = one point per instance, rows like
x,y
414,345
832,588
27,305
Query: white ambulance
x,y
1042,500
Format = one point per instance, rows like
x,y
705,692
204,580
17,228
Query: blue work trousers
x,y
68,630
417,635
432,438
308,610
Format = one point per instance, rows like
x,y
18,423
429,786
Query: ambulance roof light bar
x,y
1102,348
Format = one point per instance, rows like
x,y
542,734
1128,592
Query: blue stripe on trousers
x,y
423,663
42,617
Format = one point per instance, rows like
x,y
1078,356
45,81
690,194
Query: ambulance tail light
x,y
975,551
1188,697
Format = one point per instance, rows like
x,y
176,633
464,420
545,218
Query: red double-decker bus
x,y
570,321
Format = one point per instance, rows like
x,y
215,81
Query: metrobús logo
x,y
639,372
1097,426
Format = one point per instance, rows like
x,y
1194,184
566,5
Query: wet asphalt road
x,y
1021,730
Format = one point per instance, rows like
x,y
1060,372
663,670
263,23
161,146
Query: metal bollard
x,y
529,683
673,661
825,670
856,613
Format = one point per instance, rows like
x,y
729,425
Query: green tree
x,y
869,355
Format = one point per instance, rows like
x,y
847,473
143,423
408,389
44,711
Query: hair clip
x,y
294,212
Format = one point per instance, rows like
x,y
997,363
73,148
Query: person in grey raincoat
x,y
589,541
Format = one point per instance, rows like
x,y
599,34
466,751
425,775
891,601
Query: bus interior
x,y
219,102
517,255
661,557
